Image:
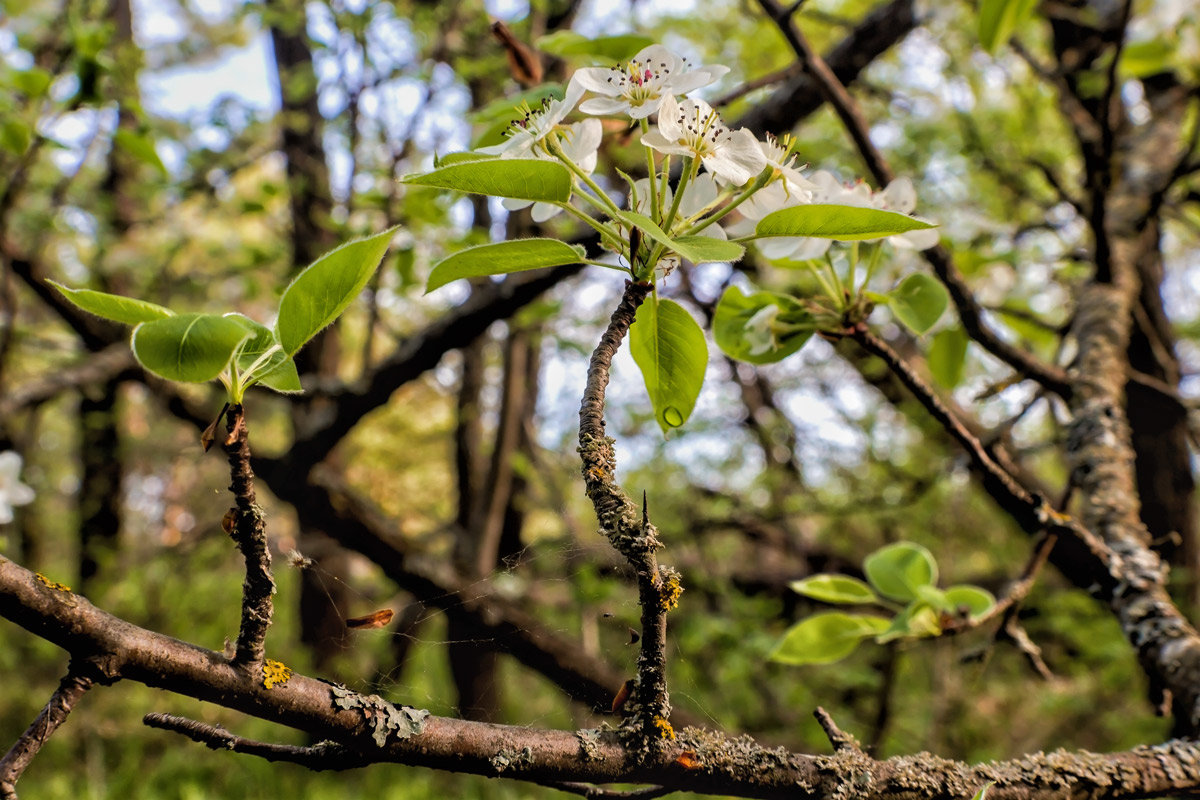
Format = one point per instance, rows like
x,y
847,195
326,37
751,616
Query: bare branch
x,y
321,756
73,686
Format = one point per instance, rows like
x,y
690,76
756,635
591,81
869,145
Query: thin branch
x,y
1010,603
72,687
841,741
593,792
113,362
778,76
326,755
246,524
629,531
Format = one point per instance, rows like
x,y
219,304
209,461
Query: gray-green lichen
x,y
385,719
589,744
509,758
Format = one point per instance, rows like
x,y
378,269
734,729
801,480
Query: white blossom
x,y
640,86
692,128
780,159
534,125
580,142
12,491
759,331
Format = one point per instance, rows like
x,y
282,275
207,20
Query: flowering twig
x,y
630,532
248,528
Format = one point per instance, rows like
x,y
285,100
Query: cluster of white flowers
x,y
649,84
12,491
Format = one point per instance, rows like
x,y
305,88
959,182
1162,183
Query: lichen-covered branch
x,y
246,524
320,756
696,761
73,686
630,532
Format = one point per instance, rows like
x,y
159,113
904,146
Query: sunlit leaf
x,y
827,637
566,44
697,249
669,348
519,178
948,356
1000,19
918,301
326,287
762,327
516,255
975,600
277,371
845,223
835,589
126,310
897,570
141,147
188,347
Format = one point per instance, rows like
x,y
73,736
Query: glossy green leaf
x,y
670,350
706,249
141,147
762,327
897,570
277,371
519,178
918,301
697,249
188,347
827,637
566,44
125,310
948,356
975,600
516,255
325,288
1000,19
845,223
835,589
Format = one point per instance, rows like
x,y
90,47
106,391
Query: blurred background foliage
x,y
144,150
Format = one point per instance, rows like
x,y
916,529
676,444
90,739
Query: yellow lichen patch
x,y
665,731
42,579
671,589
275,674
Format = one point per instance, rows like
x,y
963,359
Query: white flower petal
x,y
603,106
544,211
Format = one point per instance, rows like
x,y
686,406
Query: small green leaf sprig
x,y
732,190
232,348
902,578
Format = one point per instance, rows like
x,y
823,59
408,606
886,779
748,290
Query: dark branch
x,y
73,686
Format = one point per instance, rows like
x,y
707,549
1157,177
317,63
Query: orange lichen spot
x,y
665,731
376,619
275,674
688,760
55,585
597,473
229,521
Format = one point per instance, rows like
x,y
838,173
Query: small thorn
x,y
645,510
210,433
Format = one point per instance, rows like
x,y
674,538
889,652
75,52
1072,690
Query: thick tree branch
x,y
697,761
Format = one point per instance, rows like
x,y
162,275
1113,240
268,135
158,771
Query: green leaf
x,y
607,49
278,372
975,600
948,356
325,288
31,82
15,136
934,597
917,620
835,589
670,350
140,147
188,347
825,638
706,249
846,223
918,301
502,258
762,327
519,178
1145,58
697,249
897,570
125,310
982,793
999,19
